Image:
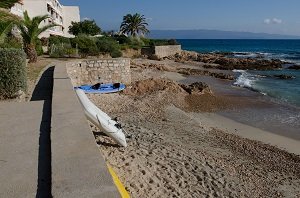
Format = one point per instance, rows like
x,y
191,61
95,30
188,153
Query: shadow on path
x,y
43,91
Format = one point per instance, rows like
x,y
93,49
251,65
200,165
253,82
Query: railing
x,y
55,5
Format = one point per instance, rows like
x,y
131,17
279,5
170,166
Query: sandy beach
x,y
180,147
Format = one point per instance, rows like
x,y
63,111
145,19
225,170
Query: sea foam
x,y
245,79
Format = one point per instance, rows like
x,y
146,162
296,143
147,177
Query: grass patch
x,y
34,69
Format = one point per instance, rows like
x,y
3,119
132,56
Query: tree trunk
x,y
31,53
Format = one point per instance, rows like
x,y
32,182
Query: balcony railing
x,y
55,4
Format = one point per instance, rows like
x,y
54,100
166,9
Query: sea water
x,y
283,116
265,82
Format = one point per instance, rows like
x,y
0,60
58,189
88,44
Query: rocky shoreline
x,y
222,61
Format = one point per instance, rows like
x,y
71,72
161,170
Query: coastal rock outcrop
x,y
188,71
196,88
284,76
227,63
295,67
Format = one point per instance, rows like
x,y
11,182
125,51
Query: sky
x,y
259,16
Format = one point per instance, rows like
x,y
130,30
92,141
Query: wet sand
x,y
180,147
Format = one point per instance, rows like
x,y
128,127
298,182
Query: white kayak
x,y
101,120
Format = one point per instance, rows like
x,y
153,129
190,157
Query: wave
x,y
292,57
245,79
266,84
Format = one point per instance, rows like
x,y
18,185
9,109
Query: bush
x,y
159,42
85,44
12,42
12,72
57,51
107,44
56,40
116,54
39,47
110,46
146,41
62,50
122,39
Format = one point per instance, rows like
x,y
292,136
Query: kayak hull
x,y
101,119
103,89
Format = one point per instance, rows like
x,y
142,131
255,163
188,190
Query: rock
x,y
296,67
197,87
187,71
223,76
227,63
154,57
284,77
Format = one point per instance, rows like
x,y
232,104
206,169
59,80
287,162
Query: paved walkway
x,y
19,148
46,146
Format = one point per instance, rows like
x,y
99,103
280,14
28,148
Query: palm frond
x,y
30,29
8,3
4,30
43,29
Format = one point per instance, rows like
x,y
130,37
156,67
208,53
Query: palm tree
x,y
8,3
134,25
30,31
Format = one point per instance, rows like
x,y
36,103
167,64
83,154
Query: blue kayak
x,y
102,88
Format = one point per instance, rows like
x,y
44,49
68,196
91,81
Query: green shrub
x,y
71,52
107,45
116,54
57,51
12,72
62,50
39,47
12,42
85,44
146,41
56,40
159,42
122,39
173,42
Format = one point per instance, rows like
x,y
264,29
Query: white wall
x,y
70,13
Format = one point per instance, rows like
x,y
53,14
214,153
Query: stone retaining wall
x,y
102,70
162,51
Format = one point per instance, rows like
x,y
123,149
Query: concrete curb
x,y
78,170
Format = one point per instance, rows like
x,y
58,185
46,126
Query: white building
x,y
59,14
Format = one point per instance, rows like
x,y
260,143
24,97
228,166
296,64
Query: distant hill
x,y
214,34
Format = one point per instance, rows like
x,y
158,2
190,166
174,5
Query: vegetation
x,y
30,31
62,50
34,70
7,21
85,44
12,72
87,27
159,42
134,25
56,40
8,3
108,45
